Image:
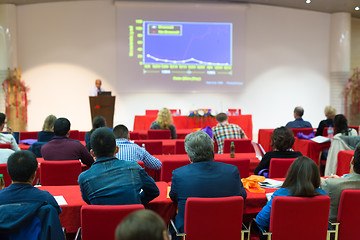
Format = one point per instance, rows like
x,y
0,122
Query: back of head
x,y
103,142
330,112
164,118
357,159
2,118
282,139
49,122
61,127
98,121
221,117
141,225
340,124
303,178
21,165
121,131
299,111
199,146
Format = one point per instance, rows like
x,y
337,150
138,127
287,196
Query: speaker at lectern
x,y
103,105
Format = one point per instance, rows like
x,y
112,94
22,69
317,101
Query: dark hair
x,y
199,146
303,178
2,118
141,225
103,142
61,127
221,117
21,165
299,111
98,121
357,159
282,139
340,124
121,131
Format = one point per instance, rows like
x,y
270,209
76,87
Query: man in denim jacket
x,y
111,181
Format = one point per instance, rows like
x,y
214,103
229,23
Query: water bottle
x,y
330,132
232,150
2,182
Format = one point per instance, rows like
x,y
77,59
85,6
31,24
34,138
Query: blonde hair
x,y
164,118
330,112
48,125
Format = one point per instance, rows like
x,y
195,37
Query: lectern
x,y
103,106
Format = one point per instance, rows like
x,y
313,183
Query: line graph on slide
x,y
187,43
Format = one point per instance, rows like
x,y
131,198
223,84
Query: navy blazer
x,y
204,179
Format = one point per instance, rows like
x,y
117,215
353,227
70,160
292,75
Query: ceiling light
x,y
308,1
357,8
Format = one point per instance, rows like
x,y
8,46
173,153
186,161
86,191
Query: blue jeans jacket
x,y
111,181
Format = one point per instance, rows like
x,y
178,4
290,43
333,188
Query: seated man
x,y
298,122
334,185
203,177
22,196
111,181
63,148
129,151
224,130
7,138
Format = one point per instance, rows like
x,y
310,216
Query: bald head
x,y
98,83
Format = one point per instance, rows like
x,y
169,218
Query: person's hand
x,y
9,130
334,176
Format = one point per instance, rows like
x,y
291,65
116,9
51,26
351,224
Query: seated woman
x,y
282,141
302,180
98,122
47,132
330,113
337,144
163,121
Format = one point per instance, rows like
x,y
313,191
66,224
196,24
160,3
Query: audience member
x,y
96,89
298,122
224,130
5,154
142,225
330,113
282,141
163,121
63,148
340,142
98,122
334,185
203,177
111,181
302,180
7,137
129,151
47,132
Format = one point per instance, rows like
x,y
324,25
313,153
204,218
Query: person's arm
x,y
241,189
85,156
242,134
150,190
82,190
151,161
173,131
264,164
263,217
51,200
173,194
14,145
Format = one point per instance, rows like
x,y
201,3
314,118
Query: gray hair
x,y
199,147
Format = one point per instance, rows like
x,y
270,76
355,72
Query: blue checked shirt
x,y
224,131
129,151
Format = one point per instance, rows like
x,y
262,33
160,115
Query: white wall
x,y
64,47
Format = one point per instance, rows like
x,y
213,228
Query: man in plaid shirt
x,y
225,130
129,151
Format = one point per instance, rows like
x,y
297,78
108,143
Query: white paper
x,y
60,200
321,139
271,183
268,196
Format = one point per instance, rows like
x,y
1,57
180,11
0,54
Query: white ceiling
x,y
328,6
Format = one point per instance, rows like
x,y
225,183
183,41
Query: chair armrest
x,y
333,230
261,229
172,225
78,234
245,230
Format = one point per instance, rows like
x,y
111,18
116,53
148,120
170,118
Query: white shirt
x,y
8,138
5,154
94,91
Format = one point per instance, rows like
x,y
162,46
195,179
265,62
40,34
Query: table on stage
x,y
343,162
185,122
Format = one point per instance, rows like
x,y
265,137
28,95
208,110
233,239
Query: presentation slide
x,y
177,47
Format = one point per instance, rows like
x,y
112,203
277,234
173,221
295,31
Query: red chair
x,y
82,135
4,172
152,146
279,167
299,218
151,112
100,222
159,134
349,214
180,147
241,145
214,218
5,145
28,135
58,173
134,136
168,166
74,134
242,164
234,111
305,131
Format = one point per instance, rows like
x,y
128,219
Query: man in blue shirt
x,y
298,122
129,151
111,181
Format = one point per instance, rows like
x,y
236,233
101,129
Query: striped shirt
x,y
129,151
226,131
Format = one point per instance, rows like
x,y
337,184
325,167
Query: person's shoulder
x,y
282,192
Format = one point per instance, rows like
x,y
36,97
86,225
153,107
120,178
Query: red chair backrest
x,y
241,145
74,134
279,167
151,112
4,172
180,147
152,146
58,173
243,164
134,136
28,135
305,131
100,222
169,165
82,135
159,134
349,214
299,218
5,145
213,218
